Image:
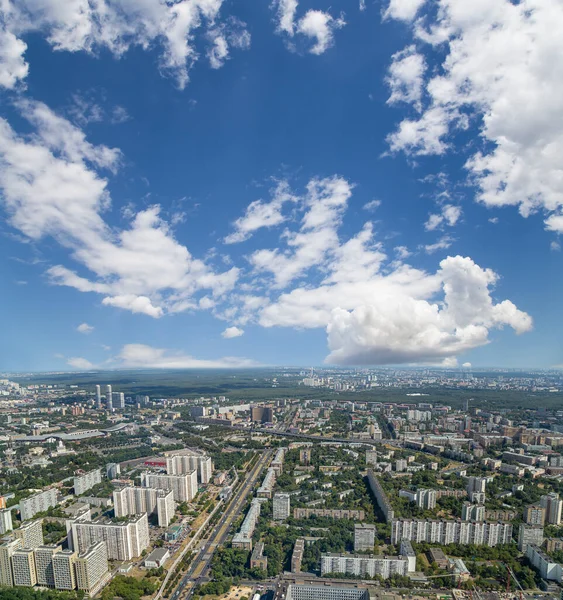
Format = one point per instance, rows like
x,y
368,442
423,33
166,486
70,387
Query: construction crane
x,y
510,573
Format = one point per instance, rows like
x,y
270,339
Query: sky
x,y
231,183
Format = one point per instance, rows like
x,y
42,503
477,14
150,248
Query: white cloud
x,y
141,356
402,252
466,365
51,187
403,10
232,34
324,204
493,220
13,67
80,364
499,69
116,26
406,77
372,205
315,24
555,246
85,328
260,214
449,215
232,332
442,244
405,329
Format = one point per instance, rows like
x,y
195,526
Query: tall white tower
x,y
109,400
98,397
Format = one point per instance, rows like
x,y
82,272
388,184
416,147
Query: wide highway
x,y
200,565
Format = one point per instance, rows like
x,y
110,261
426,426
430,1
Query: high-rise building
x,y
262,414
92,568
281,507
64,570
553,506
165,507
124,541
180,464
39,502
30,534
426,499
6,521
305,455
98,397
472,512
7,550
529,534
364,537
476,484
183,486
83,483
138,500
118,400
44,565
534,515
109,399
113,470
23,565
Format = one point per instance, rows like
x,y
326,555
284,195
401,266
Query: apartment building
x,y
362,565
44,565
6,521
243,538
334,513
553,506
529,534
83,483
548,568
30,534
472,512
265,490
323,592
297,555
380,496
257,558
37,503
183,487
281,507
277,463
64,570
23,566
181,464
92,569
364,537
138,500
124,541
7,550
534,515
450,532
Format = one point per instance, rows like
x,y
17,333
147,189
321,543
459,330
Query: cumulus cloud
x,y
449,215
52,185
324,204
406,77
232,34
260,214
500,77
81,364
141,356
84,328
115,26
317,25
406,329
232,332
403,10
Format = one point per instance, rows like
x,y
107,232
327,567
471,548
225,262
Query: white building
x,y
7,550
472,512
98,398
83,483
184,487
6,521
44,565
281,507
364,537
124,541
23,566
64,570
547,567
30,534
39,502
451,532
181,464
529,535
362,565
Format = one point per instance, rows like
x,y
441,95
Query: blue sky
x,y
212,183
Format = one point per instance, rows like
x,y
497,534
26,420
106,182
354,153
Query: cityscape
x,y
110,494
280,315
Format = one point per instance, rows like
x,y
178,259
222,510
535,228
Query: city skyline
x,y
236,186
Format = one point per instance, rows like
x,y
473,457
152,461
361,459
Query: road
x,y
200,565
